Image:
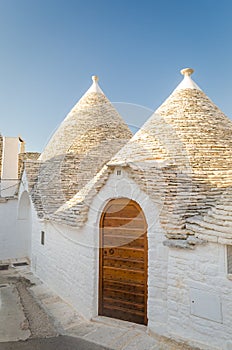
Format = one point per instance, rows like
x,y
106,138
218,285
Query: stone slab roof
x,y
75,211
185,149
181,157
23,157
86,140
216,225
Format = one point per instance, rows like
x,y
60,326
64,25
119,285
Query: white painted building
x,y
15,214
138,228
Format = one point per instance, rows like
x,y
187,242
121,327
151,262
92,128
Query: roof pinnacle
x,y
95,78
187,71
187,82
95,87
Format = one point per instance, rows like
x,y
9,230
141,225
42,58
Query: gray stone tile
x,y
82,329
13,323
123,340
105,335
141,342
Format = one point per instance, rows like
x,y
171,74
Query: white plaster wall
x,y
69,260
66,263
204,269
24,222
15,228
13,244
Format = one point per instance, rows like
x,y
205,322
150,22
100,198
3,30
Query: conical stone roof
x,y
182,155
91,112
187,127
88,137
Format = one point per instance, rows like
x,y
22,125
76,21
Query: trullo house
x,y
138,228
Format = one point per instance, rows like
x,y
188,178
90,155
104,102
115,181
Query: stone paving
x,y
110,333
12,316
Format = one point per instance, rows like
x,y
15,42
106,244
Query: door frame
x,y
100,269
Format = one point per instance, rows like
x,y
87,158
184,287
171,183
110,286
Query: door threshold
x,y
115,322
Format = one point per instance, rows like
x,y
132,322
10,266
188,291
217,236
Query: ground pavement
x,y
46,321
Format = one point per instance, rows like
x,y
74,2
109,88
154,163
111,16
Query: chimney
x,y
9,178
22,145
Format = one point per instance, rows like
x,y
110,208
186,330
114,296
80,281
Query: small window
x,y
42,237
119,172
229,259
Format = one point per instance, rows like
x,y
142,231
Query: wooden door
x,y
123,262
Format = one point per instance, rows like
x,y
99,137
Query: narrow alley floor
x,y
24,324
21,317
33,317
57,343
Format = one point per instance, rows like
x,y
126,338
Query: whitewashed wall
x,y
24,222
69,260
15,225
13,236
66,262
200,297
10,246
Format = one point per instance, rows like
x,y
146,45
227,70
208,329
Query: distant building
x,y
136,227
15,234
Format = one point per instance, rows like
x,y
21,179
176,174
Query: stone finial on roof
x,y
95,78
95,87
187,82
187,71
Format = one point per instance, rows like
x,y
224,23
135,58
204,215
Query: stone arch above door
x,y
123,261
24,207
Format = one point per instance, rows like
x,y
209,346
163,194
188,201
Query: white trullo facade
x,y
138,227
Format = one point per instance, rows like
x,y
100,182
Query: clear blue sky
x,y
50,49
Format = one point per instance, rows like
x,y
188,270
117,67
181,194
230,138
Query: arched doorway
x,y
123,261
24,225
